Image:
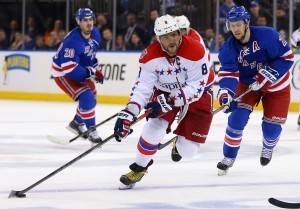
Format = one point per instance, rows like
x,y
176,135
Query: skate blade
x,y
222,172
75,132
125,187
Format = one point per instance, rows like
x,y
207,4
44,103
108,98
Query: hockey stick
x,y
282,204
250,88
21,194
161,146
57,140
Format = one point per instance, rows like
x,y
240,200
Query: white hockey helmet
x,y
295,38
165,24
183,22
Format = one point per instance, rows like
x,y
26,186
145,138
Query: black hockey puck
x,y
20,195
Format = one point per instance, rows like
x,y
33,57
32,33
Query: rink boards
x,y
27,75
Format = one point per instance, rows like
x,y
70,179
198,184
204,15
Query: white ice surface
x,y
26,156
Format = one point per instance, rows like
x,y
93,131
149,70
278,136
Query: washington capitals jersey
x,y
195,35
184,76
266,47
75,53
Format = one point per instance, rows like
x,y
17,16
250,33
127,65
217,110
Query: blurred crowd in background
x,y
128,24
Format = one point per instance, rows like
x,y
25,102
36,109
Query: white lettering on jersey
x,y
169,86
245,63
87,49
259,66
199,135
69,53
246,51
240,59
278,118
253,64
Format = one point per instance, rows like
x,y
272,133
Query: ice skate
x,y
135,175
77,128
93,135
266,156
224,165
174,153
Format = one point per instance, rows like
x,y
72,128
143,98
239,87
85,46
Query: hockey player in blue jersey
x,y
253,54
75,69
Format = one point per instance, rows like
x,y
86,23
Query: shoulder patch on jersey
x,y
143,54
151,52
191,49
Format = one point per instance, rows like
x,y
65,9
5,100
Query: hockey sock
x,y
145,152
78,117
86,109
234,132
271,133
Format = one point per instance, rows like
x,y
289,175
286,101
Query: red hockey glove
x,y
265,78
95,75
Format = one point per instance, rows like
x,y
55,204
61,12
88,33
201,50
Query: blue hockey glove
x,y
159,105
123,123
225,98
265,78
95,75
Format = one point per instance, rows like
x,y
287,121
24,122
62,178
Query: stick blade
x,y
282,204
16,194
57,140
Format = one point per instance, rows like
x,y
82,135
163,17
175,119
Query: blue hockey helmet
x,y
237,13
83,13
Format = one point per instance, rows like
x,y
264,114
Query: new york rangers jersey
x,y
265,48
184,75
74,54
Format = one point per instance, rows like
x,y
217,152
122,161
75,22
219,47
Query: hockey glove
x,y
95,75
159,105
123,123
96,63
225,98
265,78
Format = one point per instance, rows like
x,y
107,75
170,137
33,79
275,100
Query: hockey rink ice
x,y
26,156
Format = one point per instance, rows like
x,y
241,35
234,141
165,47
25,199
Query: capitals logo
x,y
15,62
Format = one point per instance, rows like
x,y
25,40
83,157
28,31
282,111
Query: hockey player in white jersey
x,y
172,80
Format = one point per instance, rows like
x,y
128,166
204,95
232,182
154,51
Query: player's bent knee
x,y
239,118
187,148
87,100
154,130
271,131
